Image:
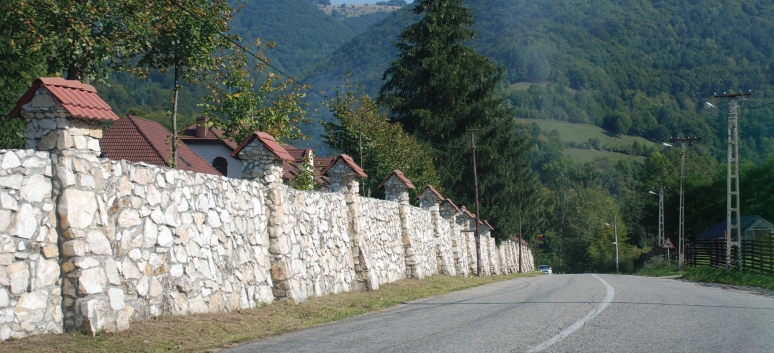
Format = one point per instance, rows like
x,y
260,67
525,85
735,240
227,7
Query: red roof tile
x,y
433,190
268,141
466,212
401,177
139,140
348,160
80,100
322,163
213,134
450,203
486,223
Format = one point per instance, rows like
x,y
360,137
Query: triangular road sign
x,y
667,244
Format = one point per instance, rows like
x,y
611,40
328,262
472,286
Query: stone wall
x,y
92,244
319,243
176,243
422,248
30,284
382,245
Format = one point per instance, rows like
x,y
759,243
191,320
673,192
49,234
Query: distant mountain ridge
x,y
648,63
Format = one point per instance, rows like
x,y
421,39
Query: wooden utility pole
x,y
478,215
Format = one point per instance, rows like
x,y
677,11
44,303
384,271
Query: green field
x,y
580,133
585,155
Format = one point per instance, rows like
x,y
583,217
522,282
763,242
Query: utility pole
x,y
478,215
733,231
660,214
519,251
681,232
615,231
539,236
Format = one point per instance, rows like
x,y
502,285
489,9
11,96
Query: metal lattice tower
x,y
733,230
681,232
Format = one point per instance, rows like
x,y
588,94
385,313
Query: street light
x,y
681,233
660,213
615,231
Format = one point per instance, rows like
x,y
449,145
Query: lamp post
x,y
681,233
615,231
660,214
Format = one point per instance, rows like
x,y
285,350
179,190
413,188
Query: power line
x,y
240,46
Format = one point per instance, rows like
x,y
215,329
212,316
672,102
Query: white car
x,y
545,269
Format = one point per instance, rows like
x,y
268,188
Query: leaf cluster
x,y
362,129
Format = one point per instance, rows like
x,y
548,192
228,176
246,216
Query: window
x,y
221,164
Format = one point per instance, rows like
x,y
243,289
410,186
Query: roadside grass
x,y
657,267
211,332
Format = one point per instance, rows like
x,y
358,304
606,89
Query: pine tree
x,y
439,87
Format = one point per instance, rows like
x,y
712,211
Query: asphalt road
x,y
556,313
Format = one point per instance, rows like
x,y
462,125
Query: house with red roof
x,y
140,140
208,142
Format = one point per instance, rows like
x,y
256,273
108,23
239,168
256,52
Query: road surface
x,y
554,313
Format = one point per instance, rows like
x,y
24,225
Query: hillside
x,y
648,63
303,34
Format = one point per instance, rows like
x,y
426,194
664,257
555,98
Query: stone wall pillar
x,y
430,199
345,176
65,118
467,229
449,211
396,188
262,158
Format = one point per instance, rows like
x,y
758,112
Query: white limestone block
x,y
92,281
77,208
116,296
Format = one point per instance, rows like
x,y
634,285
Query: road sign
x,y
667,244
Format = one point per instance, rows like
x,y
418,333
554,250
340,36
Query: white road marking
x,y
578,324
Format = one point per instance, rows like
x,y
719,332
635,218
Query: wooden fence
x,y
757,254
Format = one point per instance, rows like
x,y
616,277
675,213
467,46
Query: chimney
x,y
201,130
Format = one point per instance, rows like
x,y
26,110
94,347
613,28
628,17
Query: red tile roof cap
x,y
486,223
449,201
465,211
401,177
349,162
80,100
434,191
269,142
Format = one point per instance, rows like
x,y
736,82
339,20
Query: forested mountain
x,y
304,34
642,66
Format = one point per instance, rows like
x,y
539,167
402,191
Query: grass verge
x,y
210,332
657,267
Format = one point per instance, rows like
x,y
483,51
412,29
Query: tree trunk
x,y
176,89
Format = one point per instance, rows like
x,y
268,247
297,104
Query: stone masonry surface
x,y
92,244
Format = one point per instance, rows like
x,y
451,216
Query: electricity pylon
x,y
660,214
733,231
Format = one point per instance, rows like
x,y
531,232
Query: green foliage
x,y
12,133
305,178
385,146
247,104
652,61
307,34
358,24
439,87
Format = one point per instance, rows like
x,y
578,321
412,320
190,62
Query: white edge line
x,y
578,324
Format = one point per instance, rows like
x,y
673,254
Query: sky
x,y
339,2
